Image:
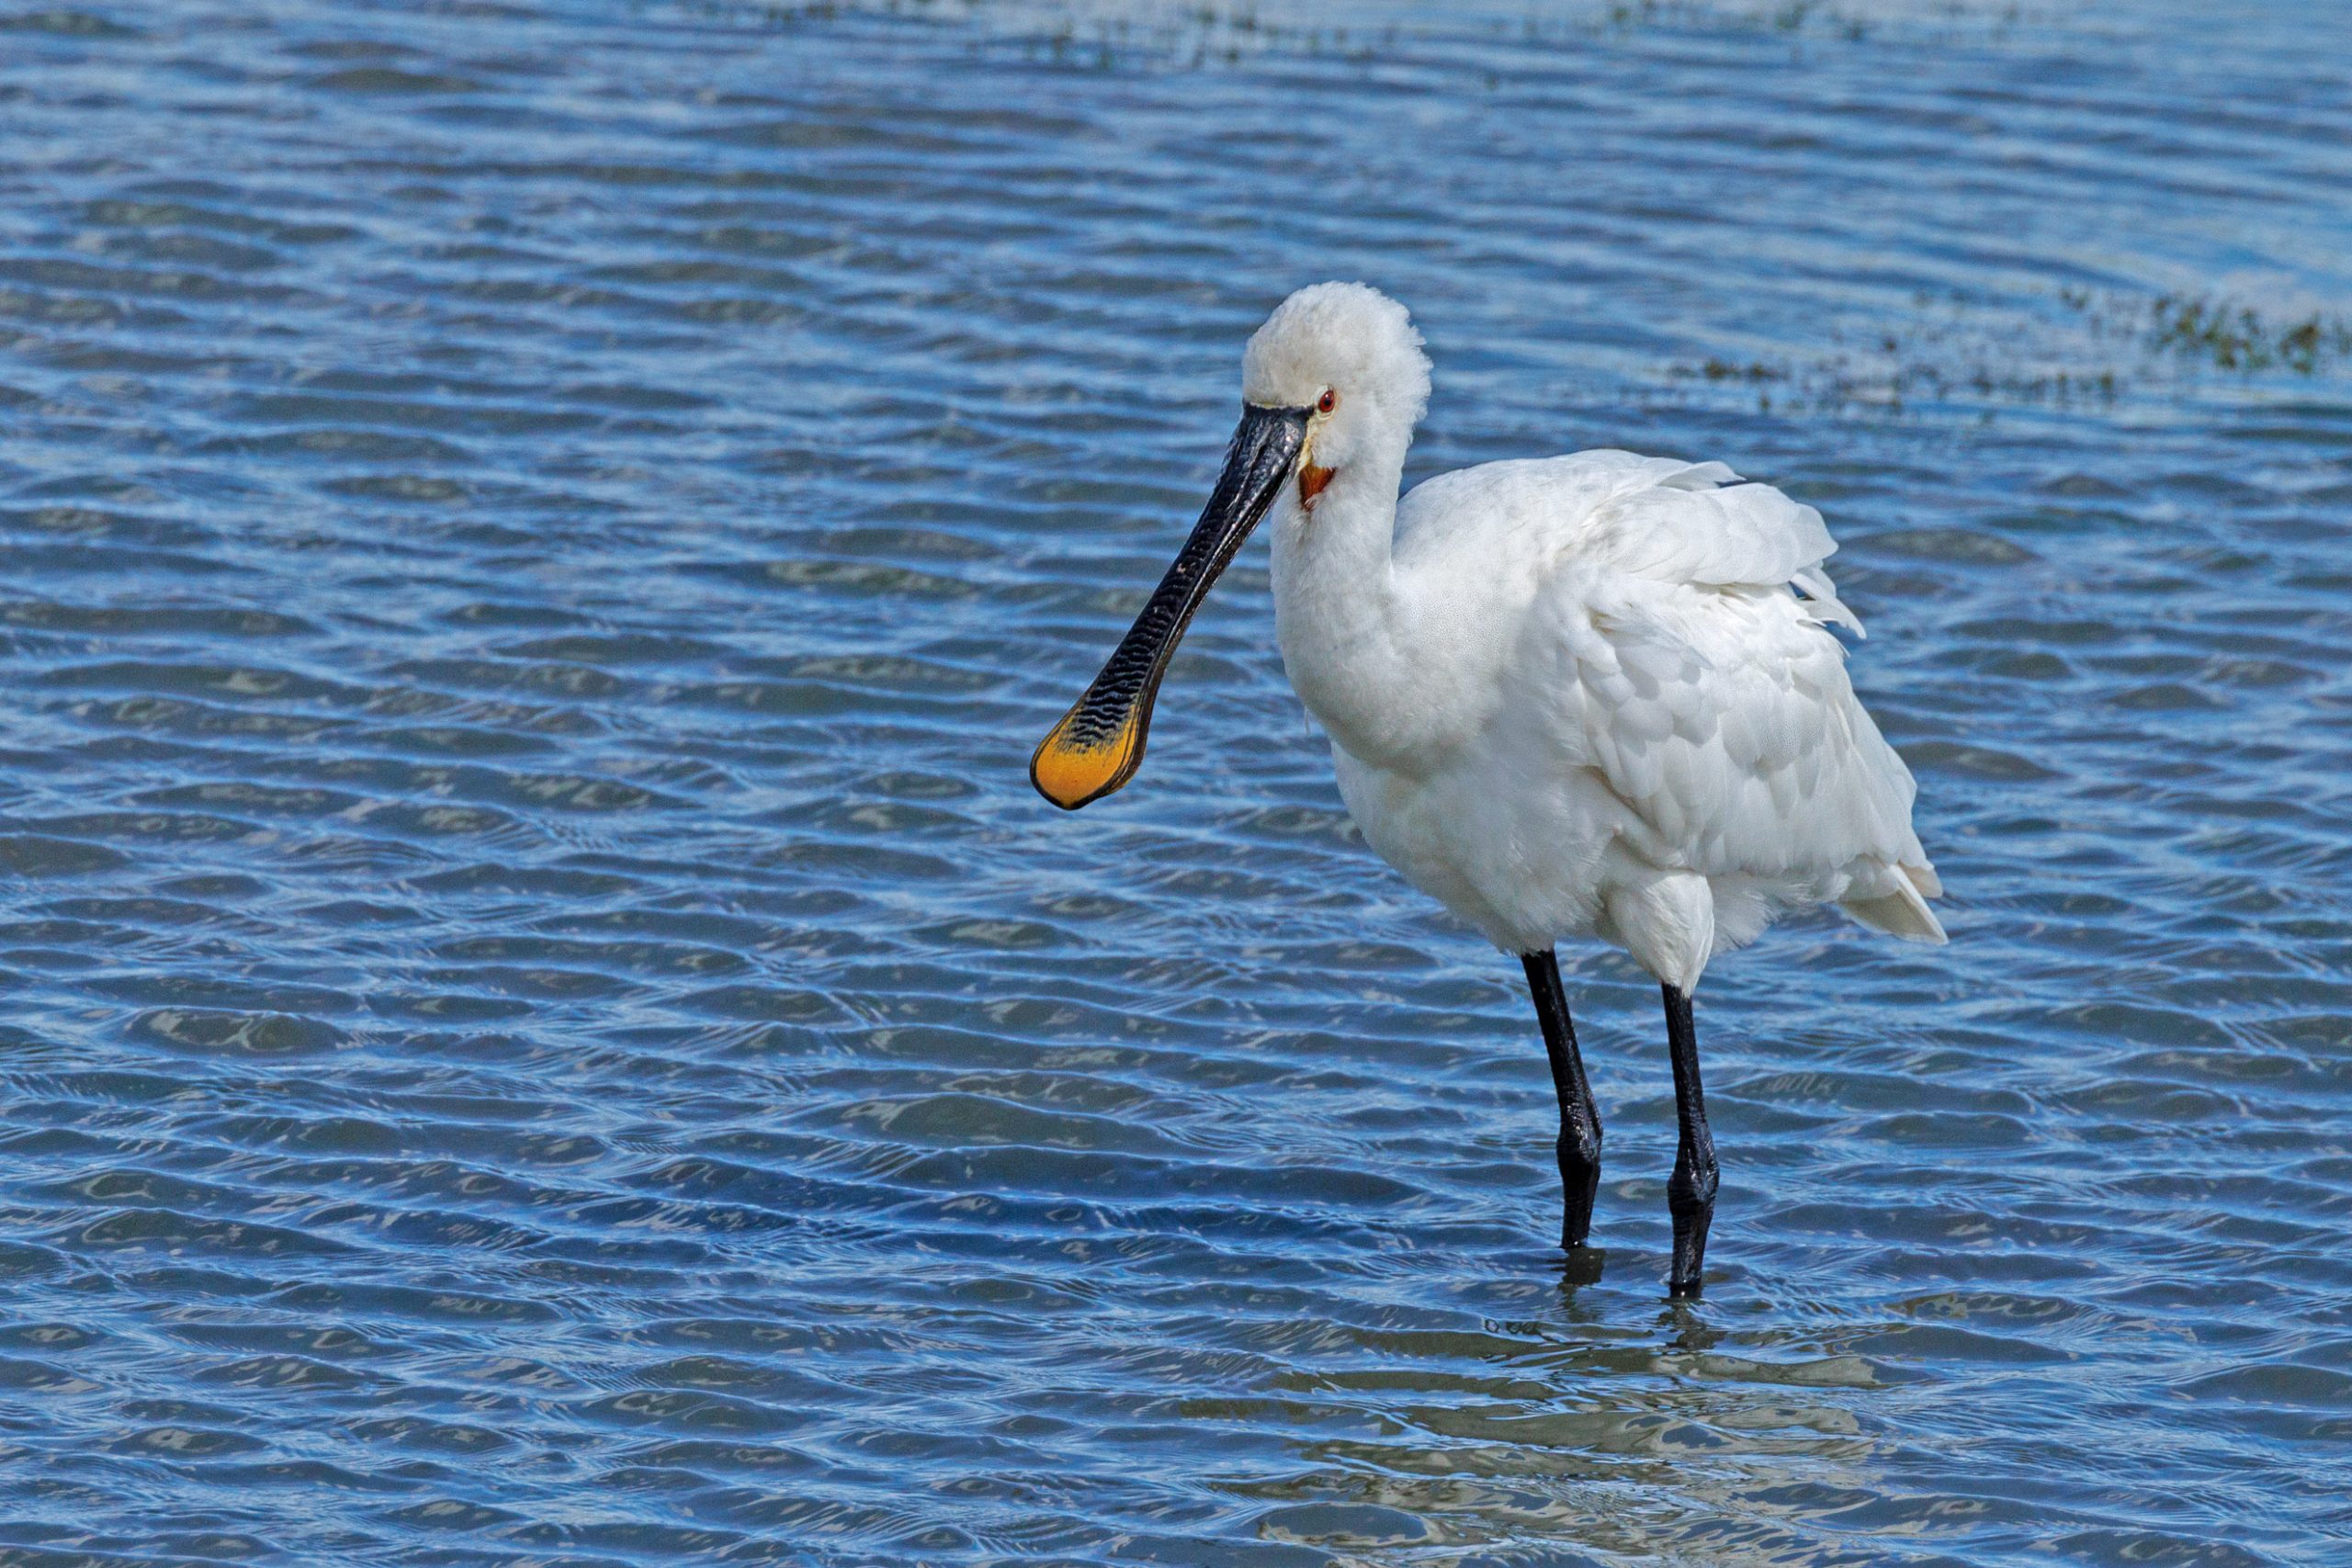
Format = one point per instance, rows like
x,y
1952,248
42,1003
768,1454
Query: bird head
x,y
1334,376
1348,354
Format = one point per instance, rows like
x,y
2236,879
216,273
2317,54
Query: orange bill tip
x,y
1070,774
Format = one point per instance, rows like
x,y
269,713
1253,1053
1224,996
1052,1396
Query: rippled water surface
x,y
543,1023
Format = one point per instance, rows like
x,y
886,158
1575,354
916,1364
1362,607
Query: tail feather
x,y
1903,911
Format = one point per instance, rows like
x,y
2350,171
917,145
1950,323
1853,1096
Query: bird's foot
x,y
1691,1200
1690,1259
1579,1186
1576,1223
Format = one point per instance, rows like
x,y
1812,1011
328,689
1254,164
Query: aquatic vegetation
x,y
2238,337
1755,370
2104,345
2216,330
1113,35
1889,377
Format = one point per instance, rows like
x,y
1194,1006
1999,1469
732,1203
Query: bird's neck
x,y
1338,611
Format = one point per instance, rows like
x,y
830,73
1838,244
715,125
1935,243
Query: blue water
x,y
541,1022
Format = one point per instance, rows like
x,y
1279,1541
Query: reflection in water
x,y
544,1024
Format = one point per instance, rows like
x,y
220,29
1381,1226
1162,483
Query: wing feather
x,y
1715,534
1688,632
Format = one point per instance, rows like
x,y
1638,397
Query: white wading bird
x,y
1592,696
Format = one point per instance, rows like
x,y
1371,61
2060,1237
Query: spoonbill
x,y
1593,695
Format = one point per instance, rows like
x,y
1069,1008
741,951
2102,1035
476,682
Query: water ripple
x,y
545,1025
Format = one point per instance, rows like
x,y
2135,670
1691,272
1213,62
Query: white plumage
x,y
1591,696
1587,696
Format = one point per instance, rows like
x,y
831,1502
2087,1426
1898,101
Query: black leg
x,y
1579,1118
1690,1191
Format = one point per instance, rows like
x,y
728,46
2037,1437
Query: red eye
x,y
1326,402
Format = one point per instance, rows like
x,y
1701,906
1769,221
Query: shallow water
x,y
544,1024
